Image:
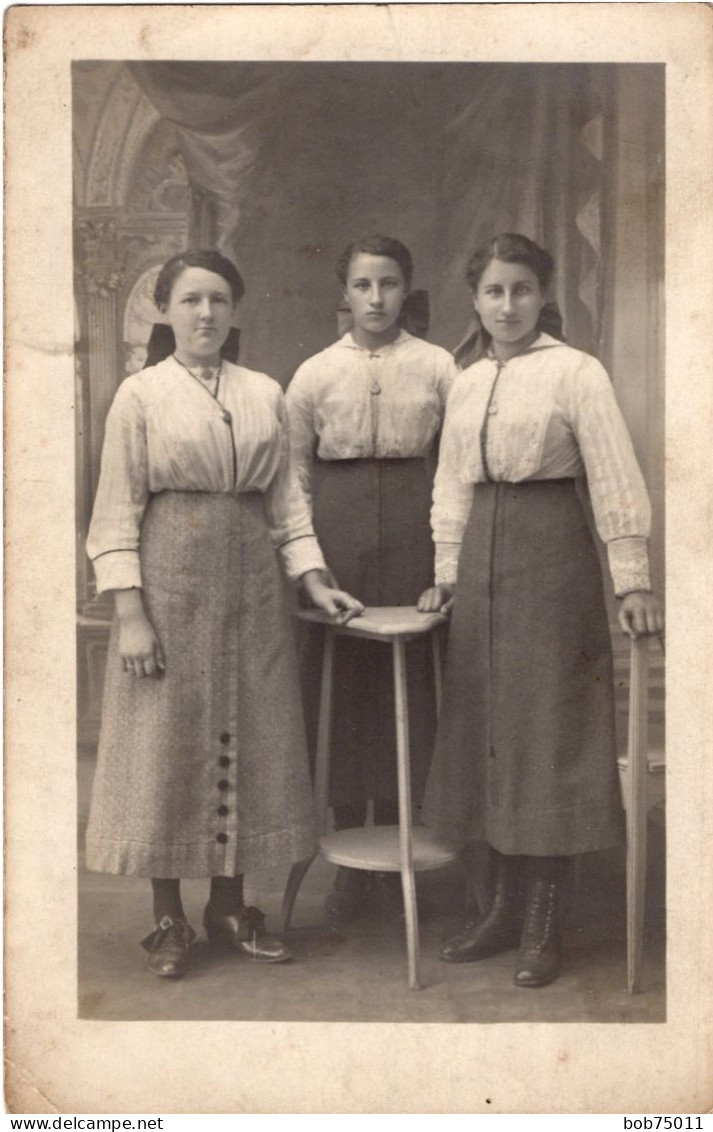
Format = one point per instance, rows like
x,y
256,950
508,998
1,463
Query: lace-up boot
x,y
538,960
502,926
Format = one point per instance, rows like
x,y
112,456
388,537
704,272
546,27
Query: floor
x,y
359,975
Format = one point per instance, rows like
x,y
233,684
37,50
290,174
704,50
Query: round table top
x,y
386,621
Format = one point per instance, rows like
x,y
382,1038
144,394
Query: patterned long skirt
x,y
204,771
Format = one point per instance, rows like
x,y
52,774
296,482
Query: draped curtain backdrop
x,y
298,159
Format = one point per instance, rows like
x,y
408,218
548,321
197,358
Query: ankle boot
x,y
501,927
538,960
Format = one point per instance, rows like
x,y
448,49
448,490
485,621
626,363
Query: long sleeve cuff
x,y
117,570
629,564
300,555
446,564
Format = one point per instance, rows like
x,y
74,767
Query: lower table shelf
x,y
378,848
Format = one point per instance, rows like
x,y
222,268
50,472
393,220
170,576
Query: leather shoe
x,y
244,932
168,947
500,930
538,961
478,941
538,967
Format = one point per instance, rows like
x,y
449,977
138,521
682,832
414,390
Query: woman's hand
x,y
438,599
337,603
640,615
139,647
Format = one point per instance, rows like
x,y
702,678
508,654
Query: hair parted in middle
x,y
510,247
377,245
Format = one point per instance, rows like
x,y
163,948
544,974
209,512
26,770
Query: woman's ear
x,y
475,303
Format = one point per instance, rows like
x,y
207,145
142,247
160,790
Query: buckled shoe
x,y
244,933
168,947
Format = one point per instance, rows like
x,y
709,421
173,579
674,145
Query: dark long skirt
x,y
204,771
372,521
525,753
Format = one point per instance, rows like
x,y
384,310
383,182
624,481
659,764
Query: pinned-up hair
x,y
206,258
510,247
377,245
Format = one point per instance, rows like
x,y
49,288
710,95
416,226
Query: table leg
x,y
321,772
437,667
297,874
404,779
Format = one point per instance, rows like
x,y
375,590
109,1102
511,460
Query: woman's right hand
x,y
437,599
139,647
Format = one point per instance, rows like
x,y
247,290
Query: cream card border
x,y
57,1063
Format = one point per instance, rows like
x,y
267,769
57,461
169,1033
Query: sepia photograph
x,y
356,377
365,234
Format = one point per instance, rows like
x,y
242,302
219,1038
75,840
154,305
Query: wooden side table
x,y
401,848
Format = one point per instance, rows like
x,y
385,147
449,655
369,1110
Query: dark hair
x,y
510,247
377,245
199,257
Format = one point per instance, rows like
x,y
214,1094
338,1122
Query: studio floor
x,y
359,974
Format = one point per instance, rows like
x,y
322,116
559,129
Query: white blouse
x,y
552,415
348,403
166,432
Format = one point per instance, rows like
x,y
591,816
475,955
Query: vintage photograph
x,y
357,556
370,338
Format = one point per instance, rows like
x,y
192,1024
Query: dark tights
x,y
226,896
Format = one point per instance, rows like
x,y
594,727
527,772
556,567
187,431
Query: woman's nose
x,y
376,298
206,309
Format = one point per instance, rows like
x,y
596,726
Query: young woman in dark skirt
x,y
364,417
534,453
202,767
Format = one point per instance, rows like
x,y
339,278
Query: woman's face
x,y
200,310
375,292
509,300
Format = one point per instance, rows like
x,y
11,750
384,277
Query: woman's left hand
x,y
337,603
640,615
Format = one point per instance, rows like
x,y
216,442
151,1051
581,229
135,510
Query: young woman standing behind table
x,y
364,416
202,767
525,757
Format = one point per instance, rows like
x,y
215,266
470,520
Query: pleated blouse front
x,y
551,414
166,432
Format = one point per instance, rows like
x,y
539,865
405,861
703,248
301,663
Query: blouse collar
x,y
350,344
542,342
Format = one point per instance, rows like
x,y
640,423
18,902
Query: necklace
x,y
204,374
